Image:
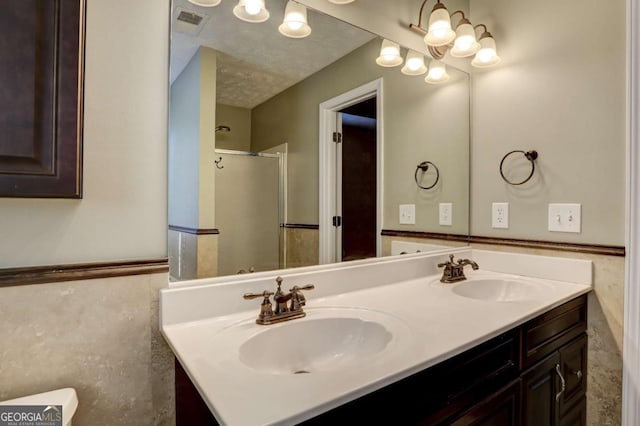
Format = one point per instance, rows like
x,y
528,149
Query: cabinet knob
x,y
578,374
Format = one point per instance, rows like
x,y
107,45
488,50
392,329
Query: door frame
x,y
327,165
631,342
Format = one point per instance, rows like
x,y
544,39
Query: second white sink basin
x,y
314,345
499,290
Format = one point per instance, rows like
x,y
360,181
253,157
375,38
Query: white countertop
x,y
430,323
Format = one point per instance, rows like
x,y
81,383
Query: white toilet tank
x,y
66,397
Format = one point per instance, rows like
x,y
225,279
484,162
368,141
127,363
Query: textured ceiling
x,y
256,62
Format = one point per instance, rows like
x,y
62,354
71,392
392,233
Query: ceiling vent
x,y
188,21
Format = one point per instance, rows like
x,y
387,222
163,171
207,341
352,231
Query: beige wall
x,y
123,210
100,336
239,119
421,122
560,89
192,143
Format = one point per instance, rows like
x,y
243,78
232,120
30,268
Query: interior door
x,y
356,193
359,187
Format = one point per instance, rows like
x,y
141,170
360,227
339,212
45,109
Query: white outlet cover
x,y
565,217
407,214
500,215
446,214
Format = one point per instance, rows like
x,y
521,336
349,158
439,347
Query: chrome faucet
x,y
454,271
282,311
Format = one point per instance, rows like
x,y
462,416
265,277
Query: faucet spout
x,y
465,262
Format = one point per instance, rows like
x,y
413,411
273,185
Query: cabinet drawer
x,y
500,409
548,332
573,362
471,376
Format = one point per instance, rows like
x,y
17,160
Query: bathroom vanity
x,y
384,342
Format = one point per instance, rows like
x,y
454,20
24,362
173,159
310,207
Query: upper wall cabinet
x,y
41,79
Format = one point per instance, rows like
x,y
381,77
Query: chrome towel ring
x,y
529,155
424,166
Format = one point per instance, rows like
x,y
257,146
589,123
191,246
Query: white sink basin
x,y
499,290
314,345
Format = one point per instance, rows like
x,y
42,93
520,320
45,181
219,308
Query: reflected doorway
x,y
350,169
357,181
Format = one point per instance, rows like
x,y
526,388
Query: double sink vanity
x,y
385,341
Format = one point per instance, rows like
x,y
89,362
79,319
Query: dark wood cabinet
x,y
539,389
513,379
41,70
500,409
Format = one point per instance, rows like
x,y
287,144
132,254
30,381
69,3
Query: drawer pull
x,y
563,383
578,374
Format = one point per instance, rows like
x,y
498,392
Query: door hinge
x,y
337,137
337,221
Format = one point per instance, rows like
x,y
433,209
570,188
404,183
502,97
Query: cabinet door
x,y
576,415
573,360
540,385
499,409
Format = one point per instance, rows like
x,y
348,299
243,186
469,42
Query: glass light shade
x,y
389,54
487,55
251,11
439,32
414,64
205,3
341,1
465,43
437,72
295,21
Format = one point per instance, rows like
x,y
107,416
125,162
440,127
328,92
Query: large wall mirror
x,y
288,152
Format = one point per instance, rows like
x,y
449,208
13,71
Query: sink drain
x,y
302,372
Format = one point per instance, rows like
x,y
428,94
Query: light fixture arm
x,y
420,14
460,12
485,33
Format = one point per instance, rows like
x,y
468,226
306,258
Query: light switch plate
x,y
407,214
500,215
564,217
446,214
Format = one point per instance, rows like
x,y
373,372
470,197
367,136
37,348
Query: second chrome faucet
x,y
287,306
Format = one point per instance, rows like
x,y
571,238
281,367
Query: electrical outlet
x,y
446,214
407,214
500,215
565,217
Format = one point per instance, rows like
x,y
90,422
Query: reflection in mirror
x,y
256,181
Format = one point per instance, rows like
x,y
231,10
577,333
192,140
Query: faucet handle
x,y
296,289
266,294
450,262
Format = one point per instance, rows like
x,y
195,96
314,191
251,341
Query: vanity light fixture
x,y
487,55
461,43
465,43
205,3
437,72
295,23
439,32
389,54
341,1
253,11
414,63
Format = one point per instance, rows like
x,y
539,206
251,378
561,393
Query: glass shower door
x,y
247,211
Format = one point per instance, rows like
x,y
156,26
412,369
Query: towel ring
x,y
529,155
424,166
